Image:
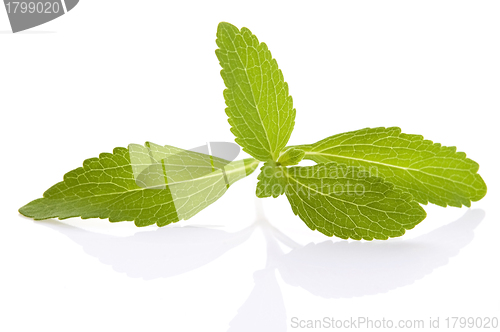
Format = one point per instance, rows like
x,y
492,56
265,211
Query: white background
x,y
110,73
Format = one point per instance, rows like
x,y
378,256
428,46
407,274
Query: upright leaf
x,y
145,184
259,108
348,203
429,171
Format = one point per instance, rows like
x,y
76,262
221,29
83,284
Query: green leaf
x,y
272,181
145,184
429,171
348,203
291,157
259,108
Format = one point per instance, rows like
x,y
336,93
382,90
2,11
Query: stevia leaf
x,y
145,184
429,171
272,181
291,157
259,107
348,203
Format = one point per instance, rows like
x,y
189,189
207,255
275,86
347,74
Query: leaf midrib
x,y
408,169
253,97
244,167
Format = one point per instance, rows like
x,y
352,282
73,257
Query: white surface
x,y
110,73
